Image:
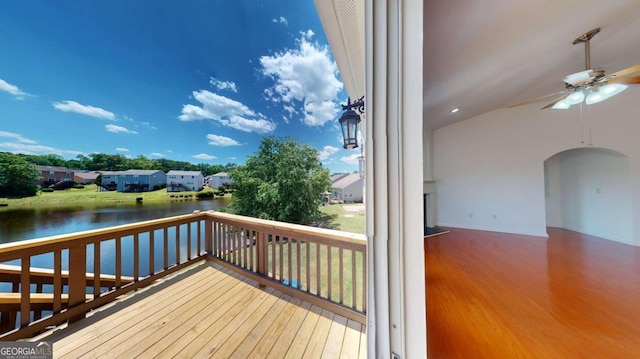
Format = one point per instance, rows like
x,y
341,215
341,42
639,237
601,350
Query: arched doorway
x,y
588,190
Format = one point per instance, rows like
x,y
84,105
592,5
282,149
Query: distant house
x,y
348,188
178,181
85,177
133,180
219,179
52,174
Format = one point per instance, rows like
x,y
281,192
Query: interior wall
x,y
489,170
588,190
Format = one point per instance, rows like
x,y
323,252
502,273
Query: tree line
x,y
107,162
19,176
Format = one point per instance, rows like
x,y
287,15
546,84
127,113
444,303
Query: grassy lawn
x,y
90,194
336,217
311,263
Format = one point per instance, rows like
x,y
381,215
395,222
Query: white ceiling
x,y
490,54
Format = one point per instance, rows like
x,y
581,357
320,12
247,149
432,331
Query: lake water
x,y
21,223
17,224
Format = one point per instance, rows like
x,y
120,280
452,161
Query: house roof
x,y
337,176
184,173
53,168
131,172
86,175
221,174
346,181
142,172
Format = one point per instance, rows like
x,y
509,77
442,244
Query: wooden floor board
x,y
280,348
495,295
161,328
134,333
300,342
252,338
316,347
207,312
267,341
89,337
333,345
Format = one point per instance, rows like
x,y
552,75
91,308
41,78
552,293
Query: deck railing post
x,y
77,277
262,253
208,234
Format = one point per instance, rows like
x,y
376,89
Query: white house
x,y
219,179
444,128
348,188
178,181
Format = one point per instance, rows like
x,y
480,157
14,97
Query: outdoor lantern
x,y
349,122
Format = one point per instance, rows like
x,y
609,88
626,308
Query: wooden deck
x,y
208,311
495,295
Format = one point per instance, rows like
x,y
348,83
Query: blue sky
x,y
194,80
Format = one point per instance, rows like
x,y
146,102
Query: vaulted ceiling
x,y
480,56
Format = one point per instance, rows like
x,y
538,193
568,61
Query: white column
x,y
394,173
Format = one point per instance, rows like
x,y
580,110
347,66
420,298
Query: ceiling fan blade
x,y
627,71
535,99
556,101
631,80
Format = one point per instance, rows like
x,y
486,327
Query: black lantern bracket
x,y
358,105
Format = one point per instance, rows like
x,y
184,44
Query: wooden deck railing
x,y
92,268
325,264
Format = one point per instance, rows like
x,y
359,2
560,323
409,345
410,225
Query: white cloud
x,y
327,152
156,154
72,106
223,85
306,74
122,149
216,140
281,20
30,148
226,111
16,136
12,89
290,109
119,129
204,156
149,125
351,159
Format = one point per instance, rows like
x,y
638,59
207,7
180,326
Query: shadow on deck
x,y
207,310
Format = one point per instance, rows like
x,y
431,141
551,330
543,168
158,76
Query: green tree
x,y
18,177
283,181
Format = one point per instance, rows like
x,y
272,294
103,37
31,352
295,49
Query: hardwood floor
x,y
210,312
494,295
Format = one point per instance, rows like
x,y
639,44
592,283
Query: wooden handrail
x,y
300,258
65,295
11,273
323,263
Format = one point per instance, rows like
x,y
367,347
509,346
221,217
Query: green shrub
x,y
205,194
47,189
78,186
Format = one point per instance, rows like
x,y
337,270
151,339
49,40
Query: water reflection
x,y
18,224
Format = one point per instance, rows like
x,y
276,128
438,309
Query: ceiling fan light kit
x,y
590,86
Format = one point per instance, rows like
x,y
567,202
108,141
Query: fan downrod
x,y
586,37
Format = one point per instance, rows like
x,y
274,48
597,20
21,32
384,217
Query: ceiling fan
x,y
590,85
